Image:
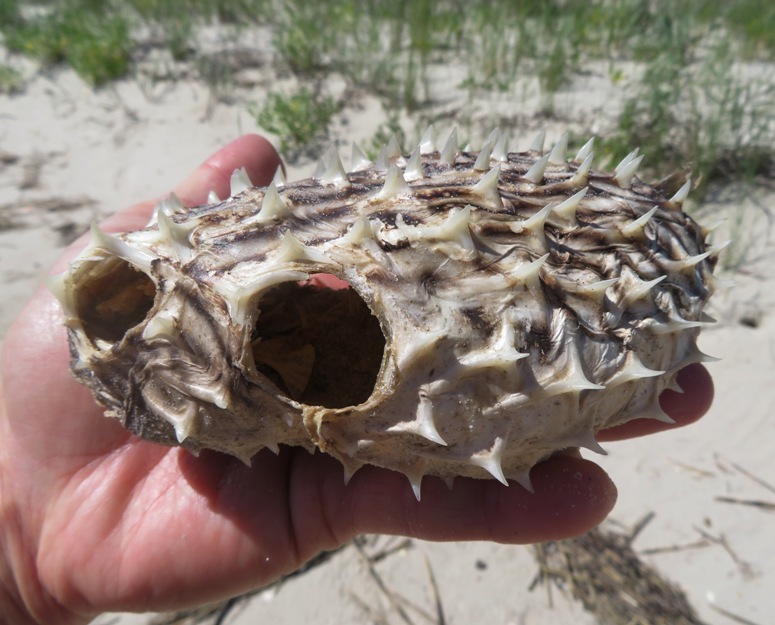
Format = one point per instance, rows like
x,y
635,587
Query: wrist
x,y
13,607
23,598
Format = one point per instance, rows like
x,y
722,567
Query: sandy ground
x,y
69,155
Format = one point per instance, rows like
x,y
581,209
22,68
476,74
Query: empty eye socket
x,y
318,342
112,299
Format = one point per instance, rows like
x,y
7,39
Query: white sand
x,y
123,145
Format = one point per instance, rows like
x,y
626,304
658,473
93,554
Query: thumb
x,y
252,152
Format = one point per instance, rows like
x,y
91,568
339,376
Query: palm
x,y
107,521
125,519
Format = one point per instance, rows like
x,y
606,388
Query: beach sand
x,y
69,155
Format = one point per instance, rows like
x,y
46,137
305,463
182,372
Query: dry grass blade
x,y
30,214
699,544
401,545
602,570
399,603
733,616
440,618
375,616
754,478
391,596
747,570
763,505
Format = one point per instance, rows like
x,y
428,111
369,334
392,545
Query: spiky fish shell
x,y
524,303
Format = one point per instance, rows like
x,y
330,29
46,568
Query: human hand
x,y
94,519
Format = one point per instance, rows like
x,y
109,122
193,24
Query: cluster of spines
x,y
623,176
330,171
397,181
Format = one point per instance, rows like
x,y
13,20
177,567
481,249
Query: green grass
x,y
686,108
10,80
692,110
390,128
300,120
94,43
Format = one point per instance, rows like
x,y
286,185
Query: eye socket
x,y
113,298
320,346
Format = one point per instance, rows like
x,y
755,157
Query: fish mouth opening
x,y
114,297
318,342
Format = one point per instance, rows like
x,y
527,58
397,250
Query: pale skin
x,y
93,519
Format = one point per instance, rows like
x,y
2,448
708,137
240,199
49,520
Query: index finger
x,y
684,408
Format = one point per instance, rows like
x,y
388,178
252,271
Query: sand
x,y
69,155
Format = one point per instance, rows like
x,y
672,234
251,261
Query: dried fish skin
x,y
502,307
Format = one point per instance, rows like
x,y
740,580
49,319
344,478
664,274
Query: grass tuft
x,y
299,120
95,44
10,80
679,64
694,109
